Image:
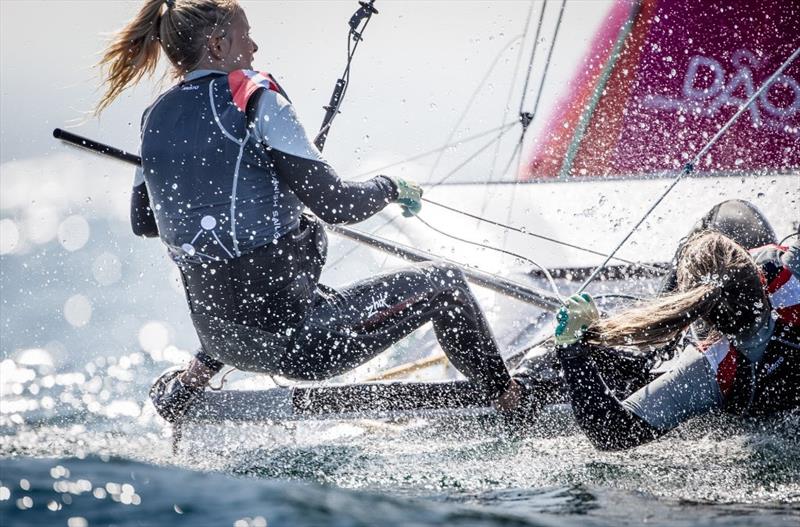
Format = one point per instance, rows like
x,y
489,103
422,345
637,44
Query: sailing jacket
x,y
756,377
222,185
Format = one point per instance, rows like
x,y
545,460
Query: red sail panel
x,y
597,147
684,70
551,148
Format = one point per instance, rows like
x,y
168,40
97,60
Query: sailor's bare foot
x,y
510,398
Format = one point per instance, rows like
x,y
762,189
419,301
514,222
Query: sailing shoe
x,y
171,397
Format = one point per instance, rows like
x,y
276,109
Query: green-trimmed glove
x,y
574,318
409,196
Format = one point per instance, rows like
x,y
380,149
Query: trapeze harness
x,y
760,376
229,170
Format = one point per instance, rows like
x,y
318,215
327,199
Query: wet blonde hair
x,y
718,281
180,27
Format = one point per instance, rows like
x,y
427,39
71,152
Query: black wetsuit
x,y
757,377
619,402
253,288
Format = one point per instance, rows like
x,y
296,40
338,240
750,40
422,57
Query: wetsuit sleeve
x,y
143,222
299,163
689,388
606,422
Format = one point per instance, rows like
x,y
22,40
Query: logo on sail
x,y
705,91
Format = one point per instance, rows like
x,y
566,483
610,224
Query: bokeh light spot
x,y
73,232
78,310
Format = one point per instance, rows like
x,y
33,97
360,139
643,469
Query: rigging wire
x,y
510,91
436,150
690,166
549,60
471,100
470,158
524,118
442,180
502,130
528,118
533,56
547,274
540,236
511,87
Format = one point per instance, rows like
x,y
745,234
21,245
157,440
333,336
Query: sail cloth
x,y
662,76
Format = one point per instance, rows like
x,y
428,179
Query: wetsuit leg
x,y
737,219
344,329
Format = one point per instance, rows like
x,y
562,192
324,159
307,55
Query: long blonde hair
x,y
180,27
716,279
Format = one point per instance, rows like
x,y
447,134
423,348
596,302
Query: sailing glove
x,y
575,318
409,196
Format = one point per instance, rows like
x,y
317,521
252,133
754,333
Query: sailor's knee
x,y
446,275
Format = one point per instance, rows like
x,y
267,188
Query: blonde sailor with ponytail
x,y
718,282
227,172
749,361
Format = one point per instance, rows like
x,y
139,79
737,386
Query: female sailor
x,y
227,170
748,362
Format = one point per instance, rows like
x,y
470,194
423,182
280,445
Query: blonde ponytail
x,y
180,27
713,271
132,53
656,322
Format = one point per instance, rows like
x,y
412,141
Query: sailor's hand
x,y
409,195
575,318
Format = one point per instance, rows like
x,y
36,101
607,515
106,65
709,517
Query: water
x,y
409,474
74,464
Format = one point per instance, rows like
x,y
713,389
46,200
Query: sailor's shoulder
x,y
244,84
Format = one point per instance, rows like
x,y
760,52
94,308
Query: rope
x,y
690,166
221,380
787,237
352,36
540,236
547,274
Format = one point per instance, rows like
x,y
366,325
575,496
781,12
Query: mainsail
x,y
662,76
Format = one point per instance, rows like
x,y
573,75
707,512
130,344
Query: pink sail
x,y
662,76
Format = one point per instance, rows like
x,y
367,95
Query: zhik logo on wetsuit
x,y
377,303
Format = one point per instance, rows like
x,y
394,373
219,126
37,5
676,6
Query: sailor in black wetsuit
x,y
749,362
227,171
